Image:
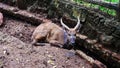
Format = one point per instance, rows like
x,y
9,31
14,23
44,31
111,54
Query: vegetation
x,y
104,9
115,1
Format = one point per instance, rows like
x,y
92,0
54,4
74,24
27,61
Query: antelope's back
x,y
57,33
50,31
41,30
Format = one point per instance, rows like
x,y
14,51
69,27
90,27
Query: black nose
x,y
72,44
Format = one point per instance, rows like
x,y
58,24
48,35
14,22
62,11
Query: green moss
x,y
104,9
115,1
75,12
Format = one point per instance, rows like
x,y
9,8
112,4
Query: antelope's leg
x,y
38,44
55,43
42,44
34,42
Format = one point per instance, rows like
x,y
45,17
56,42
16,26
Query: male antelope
x,y
54,34
70,33
1,18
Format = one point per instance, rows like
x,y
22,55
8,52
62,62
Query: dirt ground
x,y
16,50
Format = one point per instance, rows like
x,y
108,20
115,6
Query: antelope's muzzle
x,y
72,39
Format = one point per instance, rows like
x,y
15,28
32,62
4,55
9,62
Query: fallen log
x,y
94,63
95,47
21,14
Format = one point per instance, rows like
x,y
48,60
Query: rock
x,y
6,52
105,39
1,18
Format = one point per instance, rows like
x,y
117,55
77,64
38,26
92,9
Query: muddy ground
x,y
16,50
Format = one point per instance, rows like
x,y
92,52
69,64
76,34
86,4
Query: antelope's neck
x,y
65,37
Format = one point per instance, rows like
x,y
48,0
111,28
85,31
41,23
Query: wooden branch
x,y
21,14
104,4
83,55
94,63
